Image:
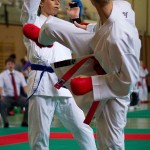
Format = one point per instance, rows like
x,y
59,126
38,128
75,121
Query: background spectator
x,y
17,66
143,89
10,82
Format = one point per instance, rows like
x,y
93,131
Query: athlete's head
x,y
49,7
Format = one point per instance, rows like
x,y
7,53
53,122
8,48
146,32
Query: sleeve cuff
x,y
100,88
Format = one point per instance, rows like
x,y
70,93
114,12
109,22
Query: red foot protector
x,y
81,86
32,32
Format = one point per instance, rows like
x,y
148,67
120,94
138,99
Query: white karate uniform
x,y
116,46
48,99
143,90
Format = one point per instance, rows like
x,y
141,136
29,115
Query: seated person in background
x,y
10,83
17,65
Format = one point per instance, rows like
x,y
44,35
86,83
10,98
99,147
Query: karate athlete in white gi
x,y
47,100
116,46
143,90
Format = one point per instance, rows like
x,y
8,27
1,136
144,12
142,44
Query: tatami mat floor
x,y
138,126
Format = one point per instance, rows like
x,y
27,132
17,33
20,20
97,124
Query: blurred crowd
x,y
140,92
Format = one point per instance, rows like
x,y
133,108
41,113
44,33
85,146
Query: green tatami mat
x,y
13,130
139,114
22,146
73,145
54,145
137,145
140,131
65,144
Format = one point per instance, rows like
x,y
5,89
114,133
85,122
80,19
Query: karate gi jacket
x,y
43,56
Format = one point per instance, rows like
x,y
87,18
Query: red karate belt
x,y
69,74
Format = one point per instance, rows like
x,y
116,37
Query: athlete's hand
x,y
73,12
82,26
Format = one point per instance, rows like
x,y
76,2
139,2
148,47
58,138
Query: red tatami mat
x,y
23,137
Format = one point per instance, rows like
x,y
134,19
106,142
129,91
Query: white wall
x,y
140,8
148,17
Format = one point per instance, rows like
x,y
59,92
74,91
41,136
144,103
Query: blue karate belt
x,y
43,69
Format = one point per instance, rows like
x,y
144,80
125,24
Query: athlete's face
x,y
49,7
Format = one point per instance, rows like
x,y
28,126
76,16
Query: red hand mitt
x,y
81,86
32,32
